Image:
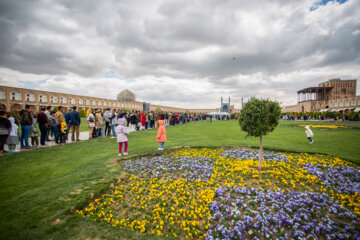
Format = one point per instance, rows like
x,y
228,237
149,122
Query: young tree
x,y
259,117
82,113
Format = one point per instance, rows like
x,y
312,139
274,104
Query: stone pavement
x,y
83,136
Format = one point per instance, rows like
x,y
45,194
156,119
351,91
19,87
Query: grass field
x,y
41,188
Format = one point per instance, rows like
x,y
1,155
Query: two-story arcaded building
x,y
15,99
335,95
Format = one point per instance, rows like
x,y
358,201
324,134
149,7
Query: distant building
x,y
335,95
126,96
225,107
14,100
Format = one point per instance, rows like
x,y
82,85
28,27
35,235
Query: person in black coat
x,y
5,128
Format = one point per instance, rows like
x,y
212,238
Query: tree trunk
x,y
260,152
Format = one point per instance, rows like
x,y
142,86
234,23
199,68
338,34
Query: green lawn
x,y
83,125
40,188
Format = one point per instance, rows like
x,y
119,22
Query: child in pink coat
x,y
161,135
122,133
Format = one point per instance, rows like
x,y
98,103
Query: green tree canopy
x,y
259,117
82,113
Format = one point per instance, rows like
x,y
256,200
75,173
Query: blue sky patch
x,y
34,85
324,2
111,74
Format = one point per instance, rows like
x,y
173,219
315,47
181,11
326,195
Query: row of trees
x,y
329,115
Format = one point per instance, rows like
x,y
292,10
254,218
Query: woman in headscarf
x,y
13,138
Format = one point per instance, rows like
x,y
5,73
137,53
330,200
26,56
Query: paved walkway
x,y
83,136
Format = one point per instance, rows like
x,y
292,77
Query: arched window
x,y
15,96
53,99
72,101
42,98
30,97
2,94
63,100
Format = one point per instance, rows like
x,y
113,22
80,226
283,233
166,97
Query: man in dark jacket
x,y
59,118
68,122
26,122
5,128
75,121
42,120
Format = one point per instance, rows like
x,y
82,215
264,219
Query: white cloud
x,y
178,54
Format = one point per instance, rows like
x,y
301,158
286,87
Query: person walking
x,y
133,121
43,120
75,121
143,121
166,119
147,121
91,123
151,119
64,131
5,129
53,130
34,133
88,112
107,120
59,118
309,134
161,135
122,133
68,122
48,115
26,122
13,137
99,122
113,121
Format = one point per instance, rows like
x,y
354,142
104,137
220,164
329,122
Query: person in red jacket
x,y
161,135
143,121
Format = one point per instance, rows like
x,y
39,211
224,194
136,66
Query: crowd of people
x,y
55,125
105,124
47,125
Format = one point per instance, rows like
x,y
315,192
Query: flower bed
x,y
253,214
323,126
212,193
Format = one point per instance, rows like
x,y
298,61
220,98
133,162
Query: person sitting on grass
x,y
161,135
122,133
309,134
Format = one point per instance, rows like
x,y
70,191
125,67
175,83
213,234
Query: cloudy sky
x,y
179,53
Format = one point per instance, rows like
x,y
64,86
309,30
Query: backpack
x,y
49,124
25,118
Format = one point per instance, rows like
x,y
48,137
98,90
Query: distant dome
x,y
126,95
